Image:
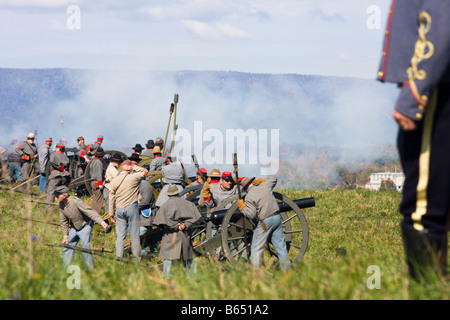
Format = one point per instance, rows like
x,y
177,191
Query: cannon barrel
x,y
217,216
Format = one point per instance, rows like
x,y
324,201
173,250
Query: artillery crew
x,y
130,199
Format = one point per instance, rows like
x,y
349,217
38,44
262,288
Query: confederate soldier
x,y
44,156
146,208
123,206
158,161
149,152
134,159
97,174
97,144
199,177
227,188
76,219
81,155
159,143
176,216
29,157
59,173
138,149
261,204
15,162
110,173
214,182
173,173
416,56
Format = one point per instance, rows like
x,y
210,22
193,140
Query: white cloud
x,y
208,32
201,29
37,3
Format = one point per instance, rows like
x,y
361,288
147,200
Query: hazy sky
x,y
341,38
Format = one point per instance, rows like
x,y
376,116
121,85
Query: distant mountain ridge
x,y
323,121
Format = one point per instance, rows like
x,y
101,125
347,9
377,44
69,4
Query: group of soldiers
x,y
130,203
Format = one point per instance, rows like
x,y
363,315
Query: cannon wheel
x,y
238,234
144,160
155,176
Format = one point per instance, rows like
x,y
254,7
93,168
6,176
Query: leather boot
x,y
424,252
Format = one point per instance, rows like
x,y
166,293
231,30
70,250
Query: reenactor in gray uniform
x,y
59,173
174,174
14,157
199,177
44,156
261,205
416,57
29,153
157,161
227,188
82,153
176,216
149,152
97,144
97,174
213,182
76,220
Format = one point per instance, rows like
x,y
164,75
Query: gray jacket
x,y
76,213
260,202
44,156
175,243
59,164
219,194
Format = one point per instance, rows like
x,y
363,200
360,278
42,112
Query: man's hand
x,y
258,181
405,123
113,219
181,226
206,191
65,240
240,204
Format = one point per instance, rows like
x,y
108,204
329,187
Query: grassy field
x,y
365,223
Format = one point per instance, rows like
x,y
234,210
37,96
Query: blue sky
x,y
341,38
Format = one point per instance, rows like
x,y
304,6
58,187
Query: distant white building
x,y
376,178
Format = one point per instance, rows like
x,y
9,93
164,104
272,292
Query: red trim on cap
x,y
226,174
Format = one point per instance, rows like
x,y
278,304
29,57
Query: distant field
x,y
364,224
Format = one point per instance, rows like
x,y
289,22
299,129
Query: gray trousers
x,y
128,221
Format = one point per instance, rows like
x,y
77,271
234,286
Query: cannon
x,y
234,231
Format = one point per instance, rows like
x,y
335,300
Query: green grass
x,y
365,223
